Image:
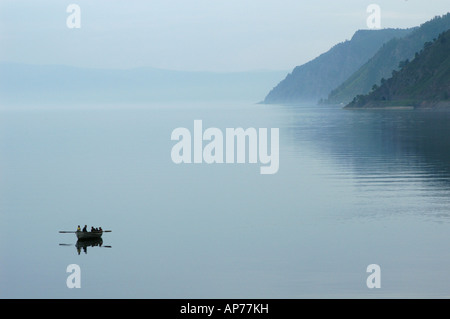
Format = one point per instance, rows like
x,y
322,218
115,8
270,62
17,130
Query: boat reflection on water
x,y
83,244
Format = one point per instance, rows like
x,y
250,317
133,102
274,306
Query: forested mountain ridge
x,y
423,82
387,59
315,79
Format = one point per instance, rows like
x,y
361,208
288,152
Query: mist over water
x,y
353,188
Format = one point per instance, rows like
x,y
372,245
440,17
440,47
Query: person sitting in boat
x,y
100,229
92,228
85,228
78,228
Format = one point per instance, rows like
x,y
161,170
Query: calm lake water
x,y
354,188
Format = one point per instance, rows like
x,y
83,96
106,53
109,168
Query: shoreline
x,y
380,108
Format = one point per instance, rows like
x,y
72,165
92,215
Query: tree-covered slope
x,y
315,79
387,59
423,82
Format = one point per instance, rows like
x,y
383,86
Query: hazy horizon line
x,y
265,70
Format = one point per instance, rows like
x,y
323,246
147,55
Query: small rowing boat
x,y
88,234
84,235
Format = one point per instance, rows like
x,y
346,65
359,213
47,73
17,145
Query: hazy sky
x,y
217,35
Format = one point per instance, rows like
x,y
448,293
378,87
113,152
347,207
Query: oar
x,y
73,232
102,246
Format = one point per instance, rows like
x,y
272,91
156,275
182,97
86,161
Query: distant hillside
x,y
423,82
58,84
387,59
315,79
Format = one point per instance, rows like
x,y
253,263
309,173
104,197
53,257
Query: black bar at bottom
x,y
220,308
